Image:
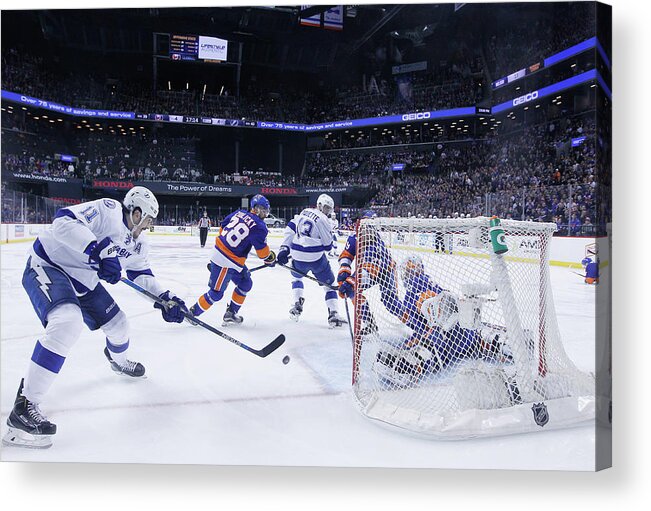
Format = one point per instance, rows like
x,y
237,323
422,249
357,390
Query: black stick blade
x,y
272,346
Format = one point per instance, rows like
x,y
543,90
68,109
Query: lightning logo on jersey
x,y
44,280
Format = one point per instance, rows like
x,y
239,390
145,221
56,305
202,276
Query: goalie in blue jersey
x,y
446,329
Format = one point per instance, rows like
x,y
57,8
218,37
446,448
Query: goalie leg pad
x,y
405,367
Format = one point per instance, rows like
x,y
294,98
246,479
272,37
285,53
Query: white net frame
x,y
474,348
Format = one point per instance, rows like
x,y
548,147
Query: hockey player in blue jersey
x,y
591,271
376,267
308,238
86,243
240,231
445,329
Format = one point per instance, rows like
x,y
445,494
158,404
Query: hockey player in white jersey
x,y
335,225
308,238
86,243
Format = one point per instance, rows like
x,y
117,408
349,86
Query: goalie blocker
x,y
478,352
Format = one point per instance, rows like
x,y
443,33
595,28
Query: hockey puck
x,y
286,359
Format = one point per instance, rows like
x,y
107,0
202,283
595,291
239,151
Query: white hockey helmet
x,y
325,204
142,198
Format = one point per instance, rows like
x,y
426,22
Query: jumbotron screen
x,y
198,47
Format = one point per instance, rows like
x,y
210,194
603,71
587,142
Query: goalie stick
x,y
267,350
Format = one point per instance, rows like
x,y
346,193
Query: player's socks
x,y
297,309
128,368
28,427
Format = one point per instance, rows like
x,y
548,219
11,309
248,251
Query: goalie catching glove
x,y
175,309
346,283
445,310
104,254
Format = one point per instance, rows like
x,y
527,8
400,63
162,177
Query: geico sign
x,y
417,116
526,98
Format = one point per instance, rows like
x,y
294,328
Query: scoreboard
x,y
184,47
198,47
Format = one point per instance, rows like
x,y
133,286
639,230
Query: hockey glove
x,y
173,313
283,255
347,288
270,260
104,254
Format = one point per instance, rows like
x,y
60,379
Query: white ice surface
x,y
207,401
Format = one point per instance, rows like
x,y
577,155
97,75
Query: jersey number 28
x,y
235,232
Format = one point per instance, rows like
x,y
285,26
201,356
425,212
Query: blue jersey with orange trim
x,y
376,256
419,288
349,252
592,270
239,232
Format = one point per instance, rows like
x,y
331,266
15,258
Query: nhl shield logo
x,y
540,414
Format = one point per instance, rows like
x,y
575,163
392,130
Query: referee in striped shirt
x,y
204,225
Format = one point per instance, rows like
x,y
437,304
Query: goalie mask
x,y
411,268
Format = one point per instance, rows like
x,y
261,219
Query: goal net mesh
x,y
454,340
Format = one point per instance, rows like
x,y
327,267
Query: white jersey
x,y
62,245
334,223
308,235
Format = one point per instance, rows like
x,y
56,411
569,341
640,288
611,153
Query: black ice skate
x,y
368,328
334,321
296,311
230,318
494,350
28,427
133,369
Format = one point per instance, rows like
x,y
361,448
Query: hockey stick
x,y
350,327
250,271
321,283
267,350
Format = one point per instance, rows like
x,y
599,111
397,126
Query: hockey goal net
x,y
454,340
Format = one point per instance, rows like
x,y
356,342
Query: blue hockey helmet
x,y
369,213
586,261
261,202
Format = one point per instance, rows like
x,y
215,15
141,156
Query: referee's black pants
x,y
203,235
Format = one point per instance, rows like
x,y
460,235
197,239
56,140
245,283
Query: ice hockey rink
x,y
207,401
